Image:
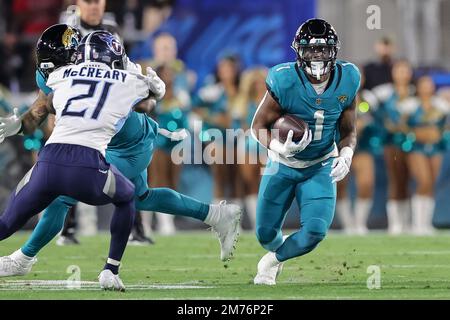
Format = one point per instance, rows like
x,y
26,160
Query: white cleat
x,y
110,281
269,268
227,228
9,266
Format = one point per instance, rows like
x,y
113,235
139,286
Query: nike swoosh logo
x,y
102,171
325,163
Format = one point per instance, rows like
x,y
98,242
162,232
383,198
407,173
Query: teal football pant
x,y
316,197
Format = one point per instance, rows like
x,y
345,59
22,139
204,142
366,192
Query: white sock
x,y
419,214
430,213
273,261
213,215
166,225
423,207
147,219
362,211
18,255
394,218
343,211
87,219
250,207
404,207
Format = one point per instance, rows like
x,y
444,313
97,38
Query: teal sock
x,y
50,224
166,200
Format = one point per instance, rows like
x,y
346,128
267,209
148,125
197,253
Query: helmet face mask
x,y
316,45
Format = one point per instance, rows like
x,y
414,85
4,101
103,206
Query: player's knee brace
x,y
315,231
269,238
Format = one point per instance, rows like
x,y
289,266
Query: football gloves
x,y
289,148
10,126
155,84
341,165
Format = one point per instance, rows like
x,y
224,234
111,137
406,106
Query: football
x,y
290,122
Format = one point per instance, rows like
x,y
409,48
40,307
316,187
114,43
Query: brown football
x,y
290,122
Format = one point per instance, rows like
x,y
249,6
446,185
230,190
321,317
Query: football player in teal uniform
x,y
320,90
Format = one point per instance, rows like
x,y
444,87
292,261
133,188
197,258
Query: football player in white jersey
x,y
91,100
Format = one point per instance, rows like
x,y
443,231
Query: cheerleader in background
x,y
170,113
424,160
363,169
394,110
251,156
214,105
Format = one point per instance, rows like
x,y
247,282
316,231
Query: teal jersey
x,y
252,107
136,134
290,87
41,83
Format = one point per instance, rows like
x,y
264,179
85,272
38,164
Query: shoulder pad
x,y
282,76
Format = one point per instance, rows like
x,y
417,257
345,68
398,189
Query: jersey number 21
x,y
92,84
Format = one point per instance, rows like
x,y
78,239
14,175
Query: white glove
x,y
173,135
155,84
10,126
341,165
133,67
290,148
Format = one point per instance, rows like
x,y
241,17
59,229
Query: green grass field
x,y
187,266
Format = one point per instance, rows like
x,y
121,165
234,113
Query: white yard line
x,y
42,285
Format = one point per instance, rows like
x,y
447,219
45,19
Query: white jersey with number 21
x,y
92,102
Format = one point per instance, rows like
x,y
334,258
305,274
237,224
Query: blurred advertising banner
x,y
259,32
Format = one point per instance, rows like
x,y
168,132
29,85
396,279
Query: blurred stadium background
x,y
255,34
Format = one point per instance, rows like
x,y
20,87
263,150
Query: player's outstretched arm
x,y
37,113
347,144
12,125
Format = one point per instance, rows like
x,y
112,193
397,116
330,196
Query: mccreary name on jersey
x,y
96,73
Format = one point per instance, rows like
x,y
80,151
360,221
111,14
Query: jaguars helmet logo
x,y
342,99
69,39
